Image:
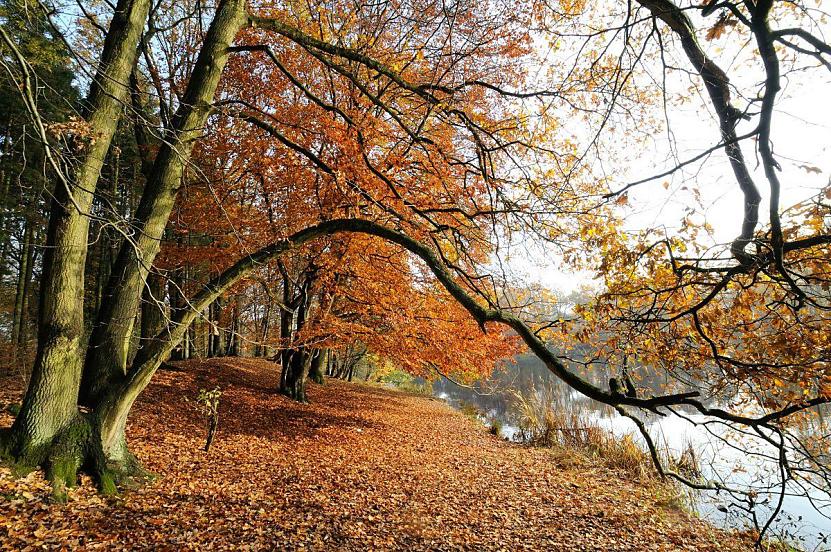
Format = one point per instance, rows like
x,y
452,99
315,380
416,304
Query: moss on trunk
x,y
75,449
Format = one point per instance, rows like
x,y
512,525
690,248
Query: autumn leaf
x,y
379,468
810,169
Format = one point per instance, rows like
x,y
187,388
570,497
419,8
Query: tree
x,y
50,430
442,131
49,409
23,161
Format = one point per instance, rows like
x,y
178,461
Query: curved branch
x,y
156,351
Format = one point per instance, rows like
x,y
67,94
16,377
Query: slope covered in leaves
x,y
360,468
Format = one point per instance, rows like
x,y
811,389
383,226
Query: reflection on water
x,y
734,458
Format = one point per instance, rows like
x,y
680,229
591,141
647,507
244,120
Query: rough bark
x,y
109,343
50,404
297,373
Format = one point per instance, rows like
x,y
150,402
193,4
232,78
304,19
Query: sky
x,y
801,135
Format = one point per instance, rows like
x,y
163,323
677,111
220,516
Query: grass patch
x,y
407,383
546,419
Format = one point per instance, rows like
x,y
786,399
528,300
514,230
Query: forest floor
x,y
361,468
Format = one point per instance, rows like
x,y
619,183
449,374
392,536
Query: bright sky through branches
x,y
705,190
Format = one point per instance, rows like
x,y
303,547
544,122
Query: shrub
x,y
495,428
208,404
470,410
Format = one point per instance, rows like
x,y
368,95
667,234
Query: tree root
x,y
76,449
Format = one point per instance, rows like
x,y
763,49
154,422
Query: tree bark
x,y
297,374
18,315
316,367
286,323
177,305
50,405
214,330
23,336
232,347
109,343
296,369
330,357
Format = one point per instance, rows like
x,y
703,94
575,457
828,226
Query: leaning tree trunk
x,y
46,429
109,344
107,386
50,430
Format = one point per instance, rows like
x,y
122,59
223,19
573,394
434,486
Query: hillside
x,y
359,468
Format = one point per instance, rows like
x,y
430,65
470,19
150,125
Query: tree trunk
x,y
330,363
177,306
232,345
297,373
261,348
337,365
296,368
196,345
214,344
286,323
18,314
49,408
102,273
23,336
109,343
316,368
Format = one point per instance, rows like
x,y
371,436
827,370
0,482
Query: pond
x,y
736,459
